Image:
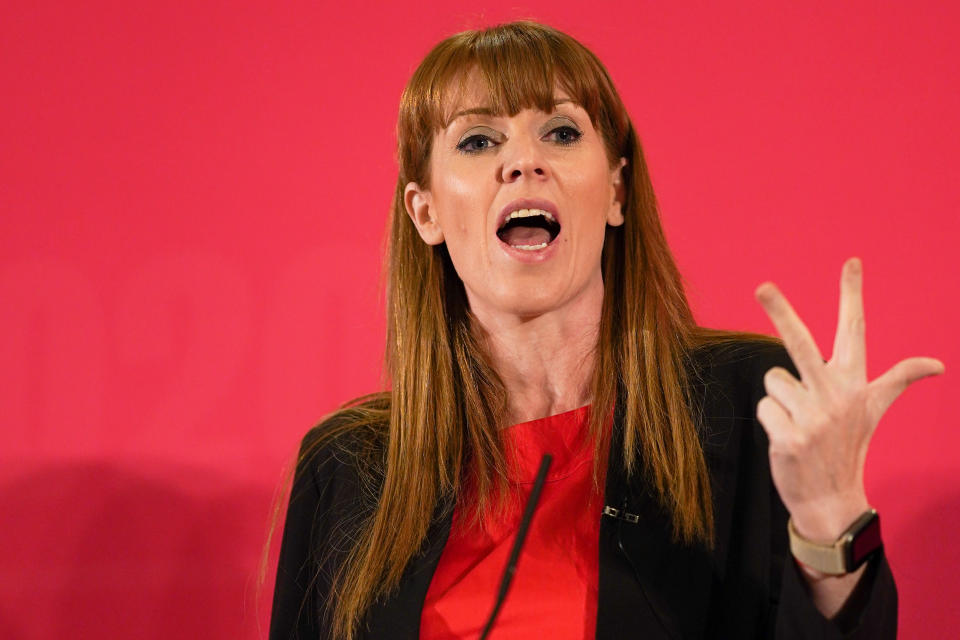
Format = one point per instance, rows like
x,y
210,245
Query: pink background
x,y
193,204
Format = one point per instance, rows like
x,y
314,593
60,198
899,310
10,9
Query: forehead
x,y
469,95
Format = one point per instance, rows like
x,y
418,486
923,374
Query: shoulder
x,y
726,383
736,368
341,458
331,496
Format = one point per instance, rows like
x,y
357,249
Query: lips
x,y
527,203
528,224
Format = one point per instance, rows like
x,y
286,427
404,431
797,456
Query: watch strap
x,y
832,559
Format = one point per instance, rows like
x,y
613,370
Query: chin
x,y
526,298
528,305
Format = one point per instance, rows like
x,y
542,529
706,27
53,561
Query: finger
x,y
775,420
885,389
796,337
785,389
849,346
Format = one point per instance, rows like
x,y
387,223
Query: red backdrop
x,y
193,204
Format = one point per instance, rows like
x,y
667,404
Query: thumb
x,y
891,384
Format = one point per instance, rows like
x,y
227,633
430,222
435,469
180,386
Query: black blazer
x,y
649,587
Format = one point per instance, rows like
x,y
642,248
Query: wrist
x,y
825,521
811,574
841,556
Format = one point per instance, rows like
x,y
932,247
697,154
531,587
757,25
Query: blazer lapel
x,y
647,582
398,616
675,579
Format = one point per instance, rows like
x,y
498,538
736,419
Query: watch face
x,y
865,542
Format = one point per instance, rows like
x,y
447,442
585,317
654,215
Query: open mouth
x,y
529,229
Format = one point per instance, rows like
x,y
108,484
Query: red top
x,y
554,589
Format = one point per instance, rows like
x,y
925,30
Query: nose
x,y
523,157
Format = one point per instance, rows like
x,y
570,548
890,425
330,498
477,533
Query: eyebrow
x,y
487,111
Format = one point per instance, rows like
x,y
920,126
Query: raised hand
x,y
819,427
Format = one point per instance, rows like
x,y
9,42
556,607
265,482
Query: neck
x,y
546,361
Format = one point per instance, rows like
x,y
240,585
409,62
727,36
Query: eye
x,y
467,145
566,135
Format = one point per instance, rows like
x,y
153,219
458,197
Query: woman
x,y
534,307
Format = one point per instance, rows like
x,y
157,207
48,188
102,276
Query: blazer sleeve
x,y
300,588
871,610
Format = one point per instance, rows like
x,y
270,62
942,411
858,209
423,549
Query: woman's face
x,y
522,203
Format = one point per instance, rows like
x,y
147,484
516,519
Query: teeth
x,y
529,247
526,213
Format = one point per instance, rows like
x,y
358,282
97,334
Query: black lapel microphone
x,y
511,567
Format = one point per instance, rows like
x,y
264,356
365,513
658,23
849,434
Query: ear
x,y
419,205
618,190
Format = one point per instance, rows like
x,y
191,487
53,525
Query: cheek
x,y
461,209
593,196
590,193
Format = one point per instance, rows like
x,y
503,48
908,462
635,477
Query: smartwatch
x,y
856,545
